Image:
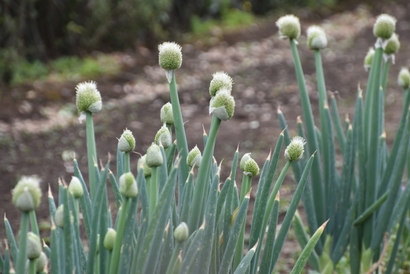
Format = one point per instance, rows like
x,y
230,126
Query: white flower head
x,y
220,80
404,78
385,26
88,98
294,151
316,38
289,27
170,55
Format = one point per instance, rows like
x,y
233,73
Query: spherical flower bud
x,y
246,157
289,27
163,137
59,216
194,157
154,156
220,80
41,262
128,185
88,97
170,56
33,246
109,239
404,78
392,45
142,164
251,168
385,26
26,195
222,105
76,188
294,151
166,114
181,233
126,143
316,38
368,59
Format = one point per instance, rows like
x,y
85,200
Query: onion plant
x,y
173,213
364,199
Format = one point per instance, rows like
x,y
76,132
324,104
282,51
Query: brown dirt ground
x,y
38,122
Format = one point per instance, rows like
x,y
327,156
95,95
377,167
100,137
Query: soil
x,y
39,127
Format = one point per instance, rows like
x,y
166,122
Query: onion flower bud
x,y
246,157
41,262
294,151
128,185
26,195
385,26
220,80
126,143
59,216
289,27
166,114
222,105
76,188
154,156
316,38
170,56
181,232
109,239
33,246
163,137
251,168
404,78
88,97
392,45
194,157
368,59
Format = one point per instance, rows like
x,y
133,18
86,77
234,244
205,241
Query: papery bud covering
x,y
181,232
385,26
289,27
33,246
220,80
166,114
76,188
170,55
41,262
222,105
163,137
154,156
194,157
246,157
126,143
392,45
251,168
368,59
142,164
88,97
59,216
109,239
404,78
26,195
128,185
294,151
316,38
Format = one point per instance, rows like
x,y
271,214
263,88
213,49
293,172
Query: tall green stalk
x,y
91,153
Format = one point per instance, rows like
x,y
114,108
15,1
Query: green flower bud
x,y
163,137
368,59
170,56
26,195
220,80
246,157
194,157
392,45
126,143
222,105
128,185
289,27
316,38
88,97
142,164
154,156
404,78
385,26
166,114
59,216
33,246
109,239
76,188
251,168
41,262
181,233
294,151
